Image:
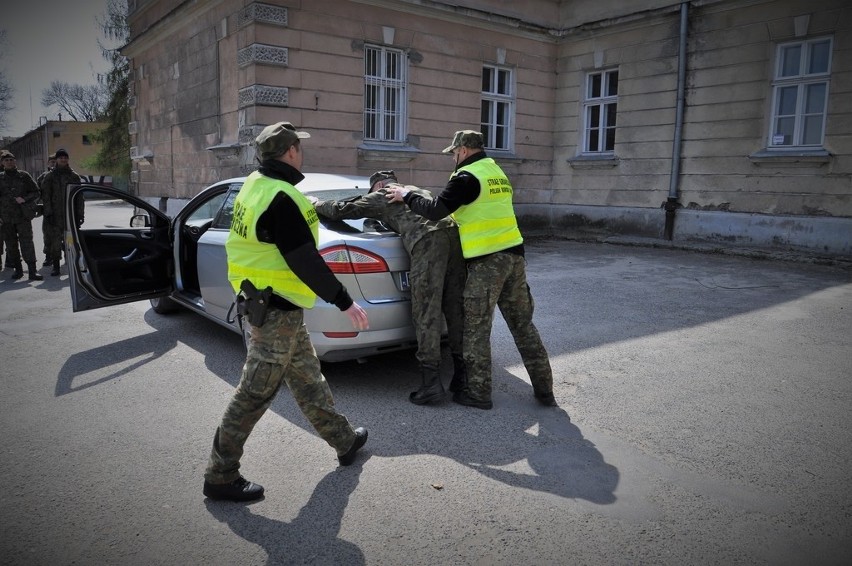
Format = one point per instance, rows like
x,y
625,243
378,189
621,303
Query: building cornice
x,y
166,25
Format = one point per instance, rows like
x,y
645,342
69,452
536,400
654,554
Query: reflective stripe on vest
x,y
488,224
262,262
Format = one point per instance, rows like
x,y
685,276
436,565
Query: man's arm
x,y
372,205
283,224
460,190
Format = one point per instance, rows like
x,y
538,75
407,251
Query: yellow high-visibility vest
x,y
262,262
488,224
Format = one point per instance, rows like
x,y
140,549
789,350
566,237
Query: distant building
x,y
714,120
32,149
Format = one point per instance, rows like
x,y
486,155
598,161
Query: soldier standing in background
x,y
53,195
18,204
437,277
51,163
479,196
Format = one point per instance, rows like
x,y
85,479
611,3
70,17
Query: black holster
x,y
253,304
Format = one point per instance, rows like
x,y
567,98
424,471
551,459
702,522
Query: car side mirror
x,y
140,221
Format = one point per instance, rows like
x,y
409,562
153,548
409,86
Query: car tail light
x,y
349,259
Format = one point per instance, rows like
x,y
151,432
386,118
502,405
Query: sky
x,y
48,40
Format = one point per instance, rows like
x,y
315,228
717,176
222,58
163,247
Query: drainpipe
x,y
671,203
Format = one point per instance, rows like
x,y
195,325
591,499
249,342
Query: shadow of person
x,y
519,443
98,360
310,538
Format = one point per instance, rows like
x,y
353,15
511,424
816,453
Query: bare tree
x,y
7,92
81,103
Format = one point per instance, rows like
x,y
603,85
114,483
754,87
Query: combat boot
x,y
55,267
459,374
18,272
431,388
34,275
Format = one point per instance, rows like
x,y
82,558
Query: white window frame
x,y
385,87
803,82
600,102
498,127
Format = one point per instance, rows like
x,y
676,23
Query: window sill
x,y
387,153
788,158
593,161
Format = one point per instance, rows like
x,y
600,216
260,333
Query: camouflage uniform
x,y
494,279
45,230
500,280
17,218
279,352
437,271
53,195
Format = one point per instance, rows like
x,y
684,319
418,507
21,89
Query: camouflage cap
x,y
277,138
466,138
381,176
6,153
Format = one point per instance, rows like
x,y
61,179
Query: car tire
x,y
163,305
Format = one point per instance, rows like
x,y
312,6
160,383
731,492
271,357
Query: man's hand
x,y
358,317
20,200
396,193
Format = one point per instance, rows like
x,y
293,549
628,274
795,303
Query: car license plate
x,y
403,281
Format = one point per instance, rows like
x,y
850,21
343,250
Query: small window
x,y
497,111
800,94
600,109
385,82
87,140
56,134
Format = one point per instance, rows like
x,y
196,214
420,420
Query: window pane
x,y
612,83
485,114
503,82
486,132
790,59
818,61
595,86
815,98
502,114
610,139
487,73
592,142
370,63
370,97
787,101
594,116
784,127
813,130
502,137
610,115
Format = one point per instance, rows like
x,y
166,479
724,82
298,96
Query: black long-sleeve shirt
x,y
283,224
462,188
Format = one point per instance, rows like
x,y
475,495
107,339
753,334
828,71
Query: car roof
x,y
323,181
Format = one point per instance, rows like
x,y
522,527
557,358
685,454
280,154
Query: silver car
x,y
124,250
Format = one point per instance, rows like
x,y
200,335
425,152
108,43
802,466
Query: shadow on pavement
x,y
310,538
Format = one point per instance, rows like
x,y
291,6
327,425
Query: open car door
x,y
118,248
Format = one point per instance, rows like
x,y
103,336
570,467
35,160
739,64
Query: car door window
x,y
226,213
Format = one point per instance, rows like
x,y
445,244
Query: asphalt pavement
x,y
704,418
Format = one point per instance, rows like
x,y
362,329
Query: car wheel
x,y
163,305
